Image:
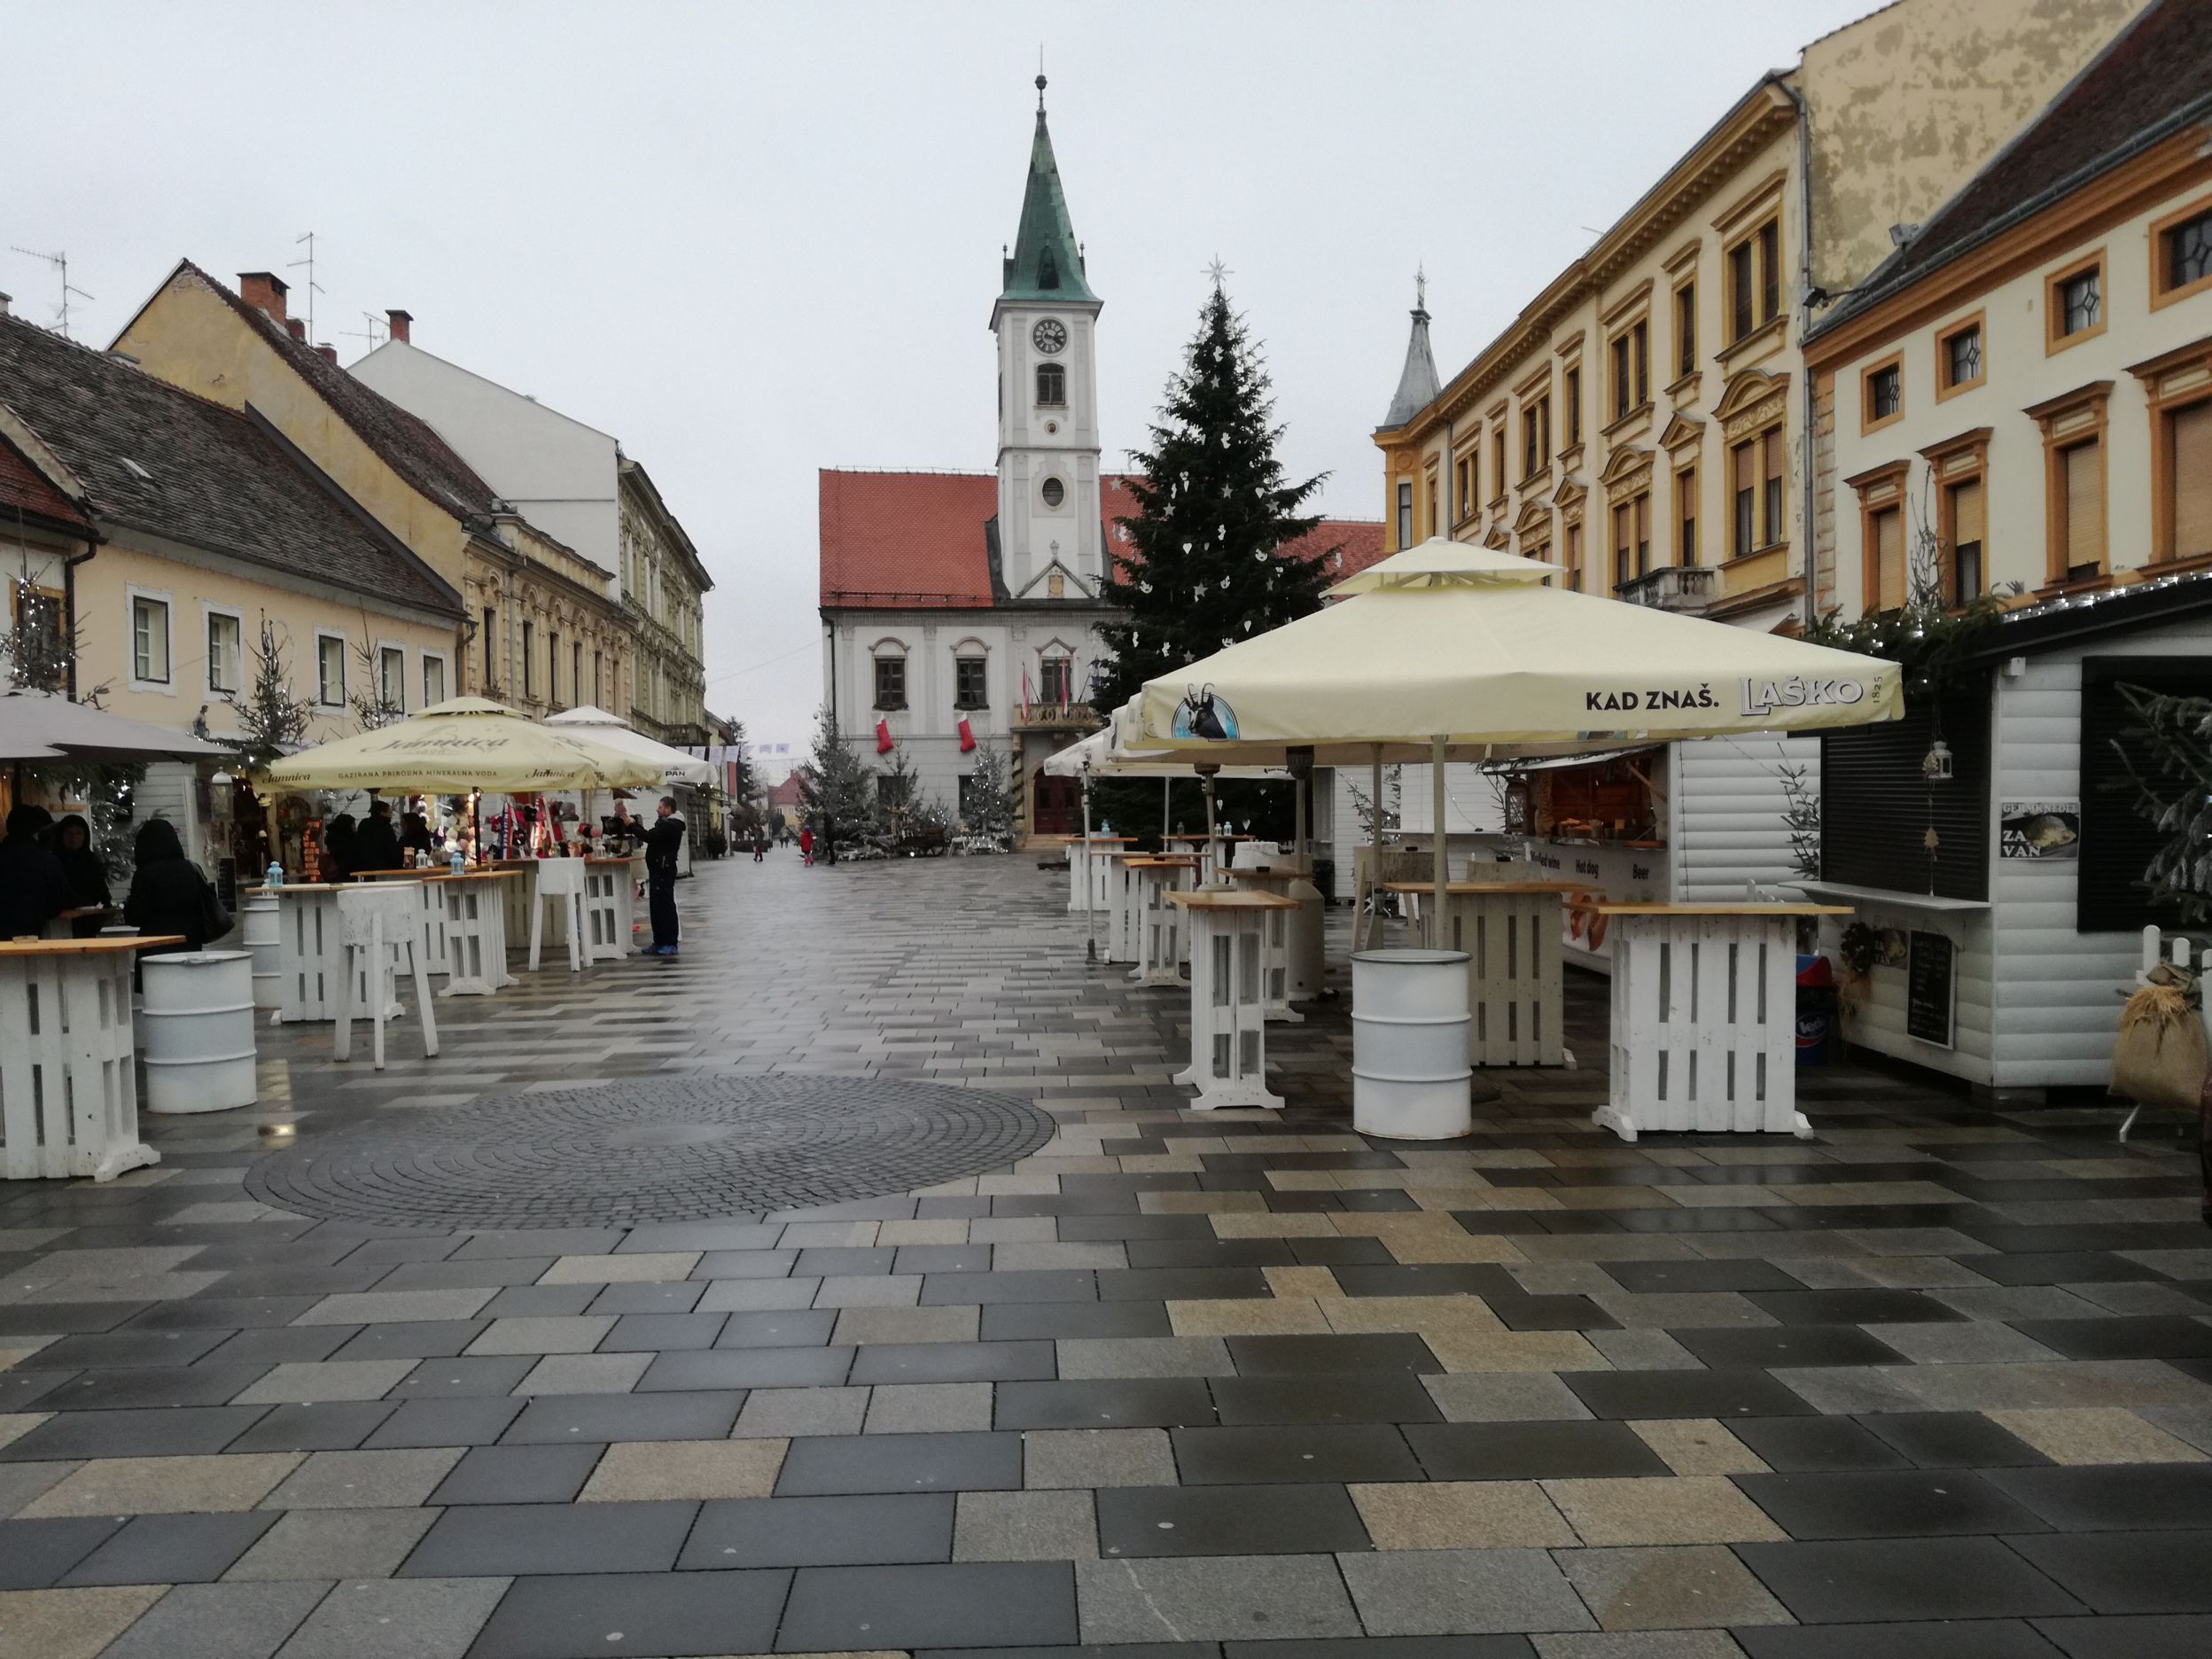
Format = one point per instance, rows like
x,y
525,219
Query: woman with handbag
x,y
170,894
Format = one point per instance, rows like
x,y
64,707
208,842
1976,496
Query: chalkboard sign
x,y
1930,988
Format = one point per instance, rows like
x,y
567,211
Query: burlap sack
x,y
2161,1058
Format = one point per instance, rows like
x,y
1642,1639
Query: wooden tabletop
x,y
1239,873
1719,909
390,875
1486,887
85,947
1153,860
1220,899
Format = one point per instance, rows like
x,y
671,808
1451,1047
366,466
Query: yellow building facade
x,y
538,618
1644,421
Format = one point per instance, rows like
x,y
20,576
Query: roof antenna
x,y
60,262
314,287
376,333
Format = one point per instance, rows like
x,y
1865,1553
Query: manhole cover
x,y
624,1154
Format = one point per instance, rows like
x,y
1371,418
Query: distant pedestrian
x,y
377,843
759,843
33,887
338,849
663,844
806,844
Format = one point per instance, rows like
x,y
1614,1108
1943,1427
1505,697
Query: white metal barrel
x,y
1410,1076
264,942
198,1031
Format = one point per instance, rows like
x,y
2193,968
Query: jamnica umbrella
x,y
1475,654
461,745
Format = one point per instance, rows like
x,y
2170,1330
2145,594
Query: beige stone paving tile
x,y
1096,1358
1683,1643
1161,1163
1680,1310
1415,1250
324,1380
396,1479
907,1325
1678,1509
645,1470
1698,1587
1036,1526
1052,1255
69,1623
1724,1197
1012,1230
584,1374
1917,1272
946,1232
1500,1198
1565,1279
1513,1351
1093,1458
1068,1164
1217,1204
163,1486
1303,1180
1017,1186
1264,1224
1508,1157
1302,1281
1248,1316
645,1267
2095,1434
1600,1247
1615,1198
1678,1157
1460,1515
1359,1315
1335,1143
548,1334
1699,1445
19,1482
1601,1157
15,1425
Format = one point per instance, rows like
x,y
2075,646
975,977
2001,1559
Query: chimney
x,y
264,290
400,322
295,327
3,304
328,353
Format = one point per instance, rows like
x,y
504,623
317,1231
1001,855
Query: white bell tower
x,y
1045,319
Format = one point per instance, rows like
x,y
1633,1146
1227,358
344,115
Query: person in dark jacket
x,y
414,836
338,849
33,889
376,843
169,893
82,868
663,845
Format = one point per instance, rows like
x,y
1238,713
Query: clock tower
x,y
1045,319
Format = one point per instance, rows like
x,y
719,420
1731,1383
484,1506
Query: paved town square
x,y
1936,1382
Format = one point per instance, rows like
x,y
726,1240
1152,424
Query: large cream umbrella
x,y
612,731
459,746
1474,651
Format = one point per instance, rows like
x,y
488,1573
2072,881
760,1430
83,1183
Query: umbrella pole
x,y
1213,848
1167,795
1443,857
1090,938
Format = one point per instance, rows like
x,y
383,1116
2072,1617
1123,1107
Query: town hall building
x,y
962,610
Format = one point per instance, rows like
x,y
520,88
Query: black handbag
x,y
215,920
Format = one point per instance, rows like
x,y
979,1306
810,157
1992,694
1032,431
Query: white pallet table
x,y
311,953
610,905
1160,923
1118,940
379,922
475,907
68,1081
559,882
1704,1018
1510,930
1274,973
434,935
1086,870
1229,1024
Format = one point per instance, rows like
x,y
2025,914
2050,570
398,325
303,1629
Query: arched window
x,y
1052,384
891,674
971,664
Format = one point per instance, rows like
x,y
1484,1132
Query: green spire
x,y
1047,262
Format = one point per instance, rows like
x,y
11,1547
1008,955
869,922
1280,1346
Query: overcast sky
x,y
755,240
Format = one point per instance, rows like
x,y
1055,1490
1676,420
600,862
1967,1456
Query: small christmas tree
x,y
272,718
373,710
836,788
2167,753
1202,566
987,810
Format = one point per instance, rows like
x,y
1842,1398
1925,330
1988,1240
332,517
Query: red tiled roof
x,y
791,792
24,488
917,540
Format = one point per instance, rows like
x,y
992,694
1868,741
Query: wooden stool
x,y
375,921
560,881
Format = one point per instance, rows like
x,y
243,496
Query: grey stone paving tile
x,y
1093,1458
781,1412
364,1480
219,1621
1220,1598
1025,1526
413,1618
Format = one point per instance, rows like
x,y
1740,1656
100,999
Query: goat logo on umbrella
x,y
1204,715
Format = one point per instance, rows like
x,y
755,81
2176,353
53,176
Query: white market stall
x,y
1474,654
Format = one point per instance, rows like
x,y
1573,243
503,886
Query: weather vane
x,y
1420,286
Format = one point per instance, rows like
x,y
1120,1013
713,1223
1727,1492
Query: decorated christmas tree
x,y
836,789
987,803
272,718
1202,566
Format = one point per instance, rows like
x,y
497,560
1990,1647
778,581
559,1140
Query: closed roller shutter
x,y
1876,805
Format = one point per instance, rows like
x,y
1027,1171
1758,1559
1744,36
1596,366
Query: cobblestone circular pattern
x,y
628,1153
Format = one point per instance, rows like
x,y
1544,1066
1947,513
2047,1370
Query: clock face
x,y
1048,337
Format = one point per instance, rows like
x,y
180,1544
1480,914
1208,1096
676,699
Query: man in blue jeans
x,y
663,844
